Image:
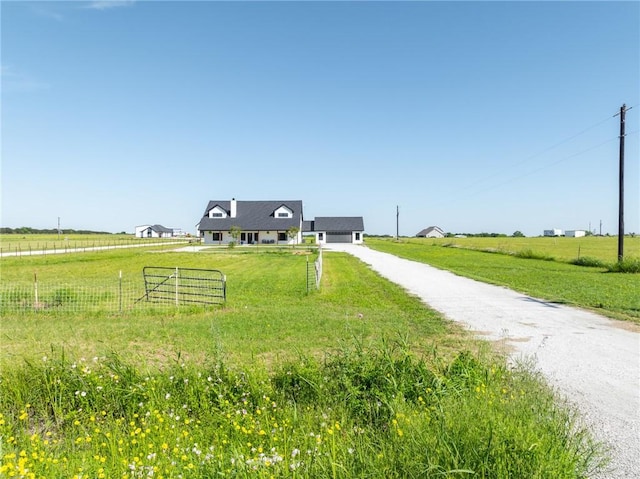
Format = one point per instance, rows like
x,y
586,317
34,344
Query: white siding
x,y
283,210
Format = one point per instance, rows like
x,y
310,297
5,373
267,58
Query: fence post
x,y
177,286
120,290
35,288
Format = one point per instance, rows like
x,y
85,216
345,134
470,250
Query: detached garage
x,y
336,229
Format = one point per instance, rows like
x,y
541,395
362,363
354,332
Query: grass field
x,y
25,244
355,380
613,294
603,248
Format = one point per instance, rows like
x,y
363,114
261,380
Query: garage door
x,y
338,237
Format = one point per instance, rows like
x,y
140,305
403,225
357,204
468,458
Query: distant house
x,y
270,222
431,232
553,232
338,229
154,231
575,233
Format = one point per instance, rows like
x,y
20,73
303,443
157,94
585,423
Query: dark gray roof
x,y
430,229
252,216
161,229
338,223
307,226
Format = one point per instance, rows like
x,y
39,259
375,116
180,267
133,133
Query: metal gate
x,y
184,285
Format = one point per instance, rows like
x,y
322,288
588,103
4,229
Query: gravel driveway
x,y
592,361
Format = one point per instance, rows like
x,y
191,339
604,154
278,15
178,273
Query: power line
x,y
537,170
535,155
544,167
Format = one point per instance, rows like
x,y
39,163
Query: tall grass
x,y
377,413
528,253
588,261
268,386
631,265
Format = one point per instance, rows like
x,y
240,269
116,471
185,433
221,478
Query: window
x,y
283,215
282,236
216,215
357,236
243,236
320,236
216,236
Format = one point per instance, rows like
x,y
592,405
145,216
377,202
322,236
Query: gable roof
x,y
252,216
338,223
430,229
156,228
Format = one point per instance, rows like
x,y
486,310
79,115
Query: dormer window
x,y
283,212
217,212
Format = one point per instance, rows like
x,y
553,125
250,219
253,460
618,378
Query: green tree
x,y
292,232
234,231
518,234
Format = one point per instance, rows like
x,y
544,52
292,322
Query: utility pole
x,y
58,227
600,227
623,110
397,222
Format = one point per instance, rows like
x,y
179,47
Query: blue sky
x,y
473,116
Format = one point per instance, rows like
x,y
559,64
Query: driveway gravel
x,y
592,361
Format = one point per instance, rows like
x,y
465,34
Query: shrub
x,y
625,266
530,254
588,261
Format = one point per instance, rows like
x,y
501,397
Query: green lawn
x,y
604,248
266,293
24,244
355,380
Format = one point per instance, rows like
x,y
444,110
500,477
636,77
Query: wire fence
x,y
118,294
314,272
18,249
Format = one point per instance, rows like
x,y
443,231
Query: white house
x,y
431,232
553,232
575,233
259,222
272,222
153,231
